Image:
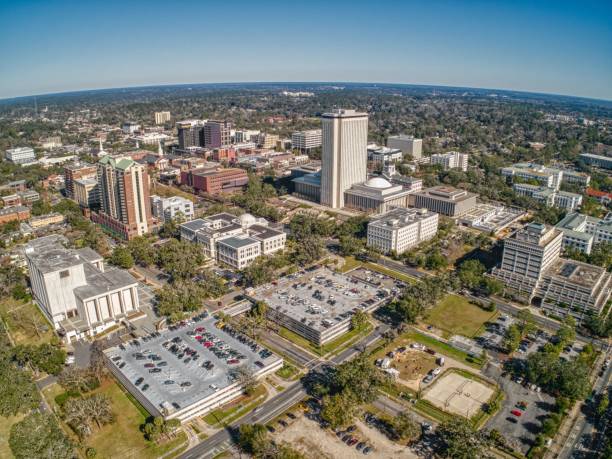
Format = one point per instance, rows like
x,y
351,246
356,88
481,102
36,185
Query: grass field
x,y
287,371
236,408
123,438
25,322
455,315
5,430
445,349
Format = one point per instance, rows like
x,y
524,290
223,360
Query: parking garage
x,y
189,369
318,305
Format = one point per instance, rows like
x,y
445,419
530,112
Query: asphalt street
x,y
218,442
584,425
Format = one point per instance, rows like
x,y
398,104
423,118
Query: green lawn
x,y
25,322
444,348
350,263
123,438
287,371
5,430
237,408
455,315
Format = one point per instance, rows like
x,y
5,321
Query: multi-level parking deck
x,y
189,369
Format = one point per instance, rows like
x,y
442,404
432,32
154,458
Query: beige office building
x,y
344,154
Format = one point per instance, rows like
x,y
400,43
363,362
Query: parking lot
x,y
187,363
521,430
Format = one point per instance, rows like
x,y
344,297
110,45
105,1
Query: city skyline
x,y
553,48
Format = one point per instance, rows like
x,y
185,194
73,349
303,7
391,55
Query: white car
x,y
436,371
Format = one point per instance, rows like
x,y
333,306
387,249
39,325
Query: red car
x,y
233,361
208,343
199,329
517,413
149,365
198,338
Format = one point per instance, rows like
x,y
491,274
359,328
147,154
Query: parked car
x,y
517,413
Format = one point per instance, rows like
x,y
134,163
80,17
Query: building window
x,y
64,274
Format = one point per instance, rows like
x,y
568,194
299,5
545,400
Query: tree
x,y
359,320
122,257
602,406
246,378
252,438
83,413
308,250
45,357
76,379
338,410
492,286
512,338
350,245
142,251
406,427
180,259
470,273
461,441
526,322
38,435
435,261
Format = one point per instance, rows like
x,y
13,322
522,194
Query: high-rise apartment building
x,y
78,171
190,133
162,117
306,140
265,140
344,154
217,133
408,144
451,160
124,197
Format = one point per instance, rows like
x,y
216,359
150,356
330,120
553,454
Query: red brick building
x,y
75,172
215,181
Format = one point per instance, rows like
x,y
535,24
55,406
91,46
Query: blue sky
x,y
542,46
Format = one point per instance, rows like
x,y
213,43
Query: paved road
x,y
584,425
221,440
296,353
402,268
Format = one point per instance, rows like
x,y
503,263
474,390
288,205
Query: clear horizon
x,y
556,48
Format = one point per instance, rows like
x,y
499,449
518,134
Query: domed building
x,y
376,195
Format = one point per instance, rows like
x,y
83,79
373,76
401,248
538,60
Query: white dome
x,y
247,220
377,182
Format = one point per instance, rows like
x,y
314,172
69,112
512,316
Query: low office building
x,y
408,144
28,196
605,162
582,232
167,209
11,200
400,229
574,288
191,387
53,218
376,195
601,196
533,272
74,290
549,177
319,304
491,218
383,155
549,196
451,160
308,186
14,213
20,155
445,200
238,251
215,181
231,240
411,184
306,140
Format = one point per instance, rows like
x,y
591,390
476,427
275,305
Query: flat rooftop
x,y
576,272
238,242
446,193
296,296
400,217
176,369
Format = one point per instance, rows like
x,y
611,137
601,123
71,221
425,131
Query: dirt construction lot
x,y
316,443
413,365
457,394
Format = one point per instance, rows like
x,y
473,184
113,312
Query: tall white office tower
x,y
344,155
